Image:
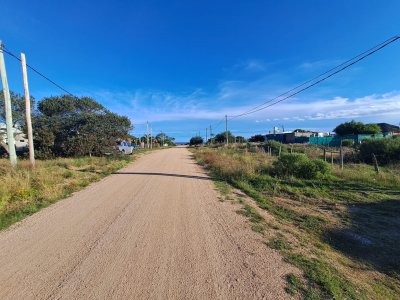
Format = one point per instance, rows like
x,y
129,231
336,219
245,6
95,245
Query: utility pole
x,y
211,137
206,135
226,129
151,136
7,106
28,110
147,134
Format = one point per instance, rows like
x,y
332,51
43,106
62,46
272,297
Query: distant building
x,y
297,136
21,142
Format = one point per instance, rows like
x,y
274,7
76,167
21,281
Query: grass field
x,y
342,230
24,191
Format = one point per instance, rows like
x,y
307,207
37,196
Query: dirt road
x,y
156,230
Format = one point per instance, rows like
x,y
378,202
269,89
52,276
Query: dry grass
x,y
342,230
24,190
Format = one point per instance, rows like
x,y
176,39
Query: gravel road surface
x,y
154,230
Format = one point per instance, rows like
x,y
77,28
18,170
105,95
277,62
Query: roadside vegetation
x,y
25,190
75,144
340,227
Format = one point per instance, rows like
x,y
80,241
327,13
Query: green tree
x,y
221,137
354,127
257,138
69,126
17,108
196,140
240,139
164,138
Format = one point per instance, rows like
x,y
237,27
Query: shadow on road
x,y
163,174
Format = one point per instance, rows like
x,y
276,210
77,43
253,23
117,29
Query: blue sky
x,y
183,65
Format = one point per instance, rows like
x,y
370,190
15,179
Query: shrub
x,y
300,166
274,145
387,150
347,143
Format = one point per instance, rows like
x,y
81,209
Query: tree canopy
x,y
69,126
221,137
17,108
240,139
164,138
257,138
354,127
196,140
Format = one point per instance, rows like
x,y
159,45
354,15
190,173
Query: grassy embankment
x,y
341,230
24,191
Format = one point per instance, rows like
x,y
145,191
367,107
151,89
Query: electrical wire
x,y
343,66
5,50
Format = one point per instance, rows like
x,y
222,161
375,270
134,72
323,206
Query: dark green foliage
x,y
240,139
300,166
386,150
274,145
221,137
354,127
69,126
65,105
257,138
347,143
163,138
196,140
17,108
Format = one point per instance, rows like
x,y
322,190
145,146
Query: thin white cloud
x,y
319,64
255,66
233,97
162,106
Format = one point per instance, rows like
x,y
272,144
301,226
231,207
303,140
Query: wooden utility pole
x,y
28,110
341,157
151,136
147,134
211,137
206,135
226,129
7,107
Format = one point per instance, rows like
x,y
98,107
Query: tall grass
x,y
319,222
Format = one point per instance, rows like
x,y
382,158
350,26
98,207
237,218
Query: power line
x,y
39,73
343,66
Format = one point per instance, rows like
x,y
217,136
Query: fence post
x,y
341,157
324,154
280,151
375,163
332,158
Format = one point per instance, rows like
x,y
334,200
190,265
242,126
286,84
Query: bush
x,y
300,166
387,150
196,140
347,143
274,145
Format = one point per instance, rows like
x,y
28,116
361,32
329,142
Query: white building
x,y
21,142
